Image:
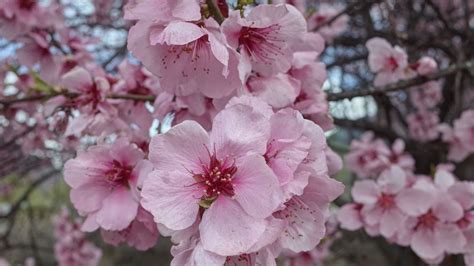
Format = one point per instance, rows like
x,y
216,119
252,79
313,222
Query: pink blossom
x,y
386,61
104,182
185,55
71,248
142,233
97,115
400,158
305,215
430,229
426,65
367,157
214,176
460,137
191,252
379,199
265,37
427,95
350,217
278,91
324,13
423,125
311,101
134,81
26,11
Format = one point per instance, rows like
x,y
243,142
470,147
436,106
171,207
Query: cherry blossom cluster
x,y
432,215
369,156
72,248
106,181
216,137
390,64
268,53
241,192
460,136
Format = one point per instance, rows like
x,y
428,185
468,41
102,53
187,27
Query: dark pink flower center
x,y
216,178
320,19
392,63
427,220
119,173
262,44
386,201
465,221
27,4
369,156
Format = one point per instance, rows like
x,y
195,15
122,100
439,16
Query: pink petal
x,y
452,238
365,191
180,149
426,245
171,198
77,80
118,210
448,209
305,226
349,217
463,192
89,197
391,222
176,33
414,202
392,180
239,130
256,187
227,230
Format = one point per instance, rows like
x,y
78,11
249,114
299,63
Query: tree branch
x,y
404,84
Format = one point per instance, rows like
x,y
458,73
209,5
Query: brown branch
x,y
135,97
32,98
404,84
346,60
441,17
352,7
370,126
214,10
16,206
41,97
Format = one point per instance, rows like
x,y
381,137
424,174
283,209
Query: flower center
x,y
27,4
465,221
119,173
386,201
392,63
320,19
216,178
262,44
427,220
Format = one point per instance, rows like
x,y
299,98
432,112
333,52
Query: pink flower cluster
x,y
106,181
390,64
431,215
256,185
369,156
268,54
460,137
72,248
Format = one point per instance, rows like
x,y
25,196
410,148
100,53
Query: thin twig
x,y
215,12
16,206
401,85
